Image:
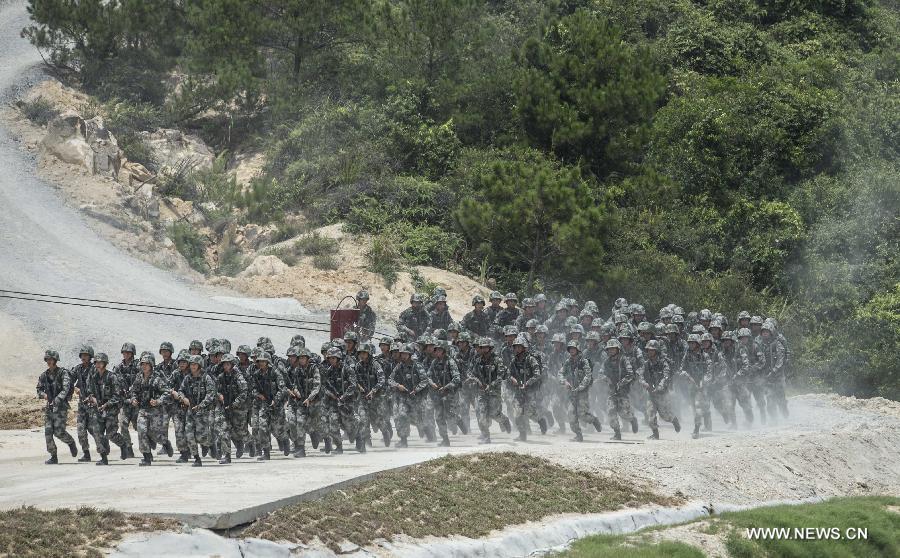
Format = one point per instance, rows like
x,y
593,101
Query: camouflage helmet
x,y
216,348
101,357
339,343
195,344
208,344
698,329
677,319
293,351
671,328
264,356
486,342
645,327
439,291
652,345
511,296
464,337
592,336
51,354
707,337
407,348
528,303
692,316
442,345
591,307
415,297
608,329
730,336
660,328
704,314
613,344
147,359
542,329
386,341
128,348
495,295
573,345
334,352
693,338
756,320
243,349
571,303
558,338
540,297
743,315
477,299
638,309
298,340
621,302
255,353
195,359
520,340
228,357
597,322
678,311
396,346
453,326
225,344
351,336
438,297
624,333
576,328
303,352
86,350
531,323
166,346
183,356
665,313
263,341
619,318
744,332
362,295
769,325
561,305
585,314
715,323
510,330
570,321
366,348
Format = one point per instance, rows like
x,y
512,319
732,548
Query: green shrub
x,y
177,181
384,258
425,244
325,261
316,245
190,244
421,284
231,262
285,231
40,111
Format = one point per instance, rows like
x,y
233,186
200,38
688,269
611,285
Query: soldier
x,y
365,326
736,368
465,355
540,308
126,372
267,385
487,374
439,317
656,377
557,323
414,320
438,292
696,367
372,384
230,409
495,299
103,394
247,368
508,315
576,377
525,376
755,384
149,394
717,390
772,368
527,314
175,410
553,390
197,395
619,373
341,391
55,387
80,373
444,379
304,406
167,368
743,319
405,378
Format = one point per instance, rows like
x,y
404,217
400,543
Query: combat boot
x,y
73,449
360,444
86,458
286,447
197,462
542,422
314,439
338,446
707,422
634,425
617,435
484,440
103,460
251,449
696,433
300,452
167,445
654,435
327,447
522,437
238,449
147,460
598,426
506,426
204,450
130,452
386,436
124,452
226,459
184,457
265,455
445,441
402,443
52,461
676,424
579,437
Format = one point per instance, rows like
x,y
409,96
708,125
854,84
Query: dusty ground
x,y
22,412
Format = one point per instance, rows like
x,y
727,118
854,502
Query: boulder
x,y
264,266
107,157
173,148
134,174
86,143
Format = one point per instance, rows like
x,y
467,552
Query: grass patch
x,y
316,245
325,261
231,262
190,244
62,533
877,514
454,495
40,111
384,258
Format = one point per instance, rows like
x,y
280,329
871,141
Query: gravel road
x,y
47,247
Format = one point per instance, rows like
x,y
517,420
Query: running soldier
x,y
197,395
697,369
149,394
341,391
576,377
127,372
407,375
304,409
736,367
488,374
525,376
656,377
372,384
750,351
80,373
772,368
55,387
230,409
464,356
267,384
444,379
104,397
619,374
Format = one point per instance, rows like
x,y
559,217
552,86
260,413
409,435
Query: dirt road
x,y
47,247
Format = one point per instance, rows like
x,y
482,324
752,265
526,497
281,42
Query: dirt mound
x,y
20,412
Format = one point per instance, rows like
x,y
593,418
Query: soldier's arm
x,y
163,387
211,392
778,361
66,385
243,393
586,379
381,378
455,378
352,387
424,378
42,386
391,381
745,365
317,383
628,377
535,369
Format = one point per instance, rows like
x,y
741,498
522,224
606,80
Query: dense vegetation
x,y
731,154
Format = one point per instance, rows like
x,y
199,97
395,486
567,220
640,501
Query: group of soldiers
x,y
542,364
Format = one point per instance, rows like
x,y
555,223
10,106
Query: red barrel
x,y
343,320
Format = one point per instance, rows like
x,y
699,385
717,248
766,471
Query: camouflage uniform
x,y
488,374
656,377
717,389
408,403
414,320
525,376
444,378
126,373
267,385
373,384
230,415
340,406
80,373
198,394
103,418
477,322
619,373
55,385
173,376
150,424
736,367
754,381
697,369
772,371
303,385
508,315
467,391
553,390
367,318
577,377
439,318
